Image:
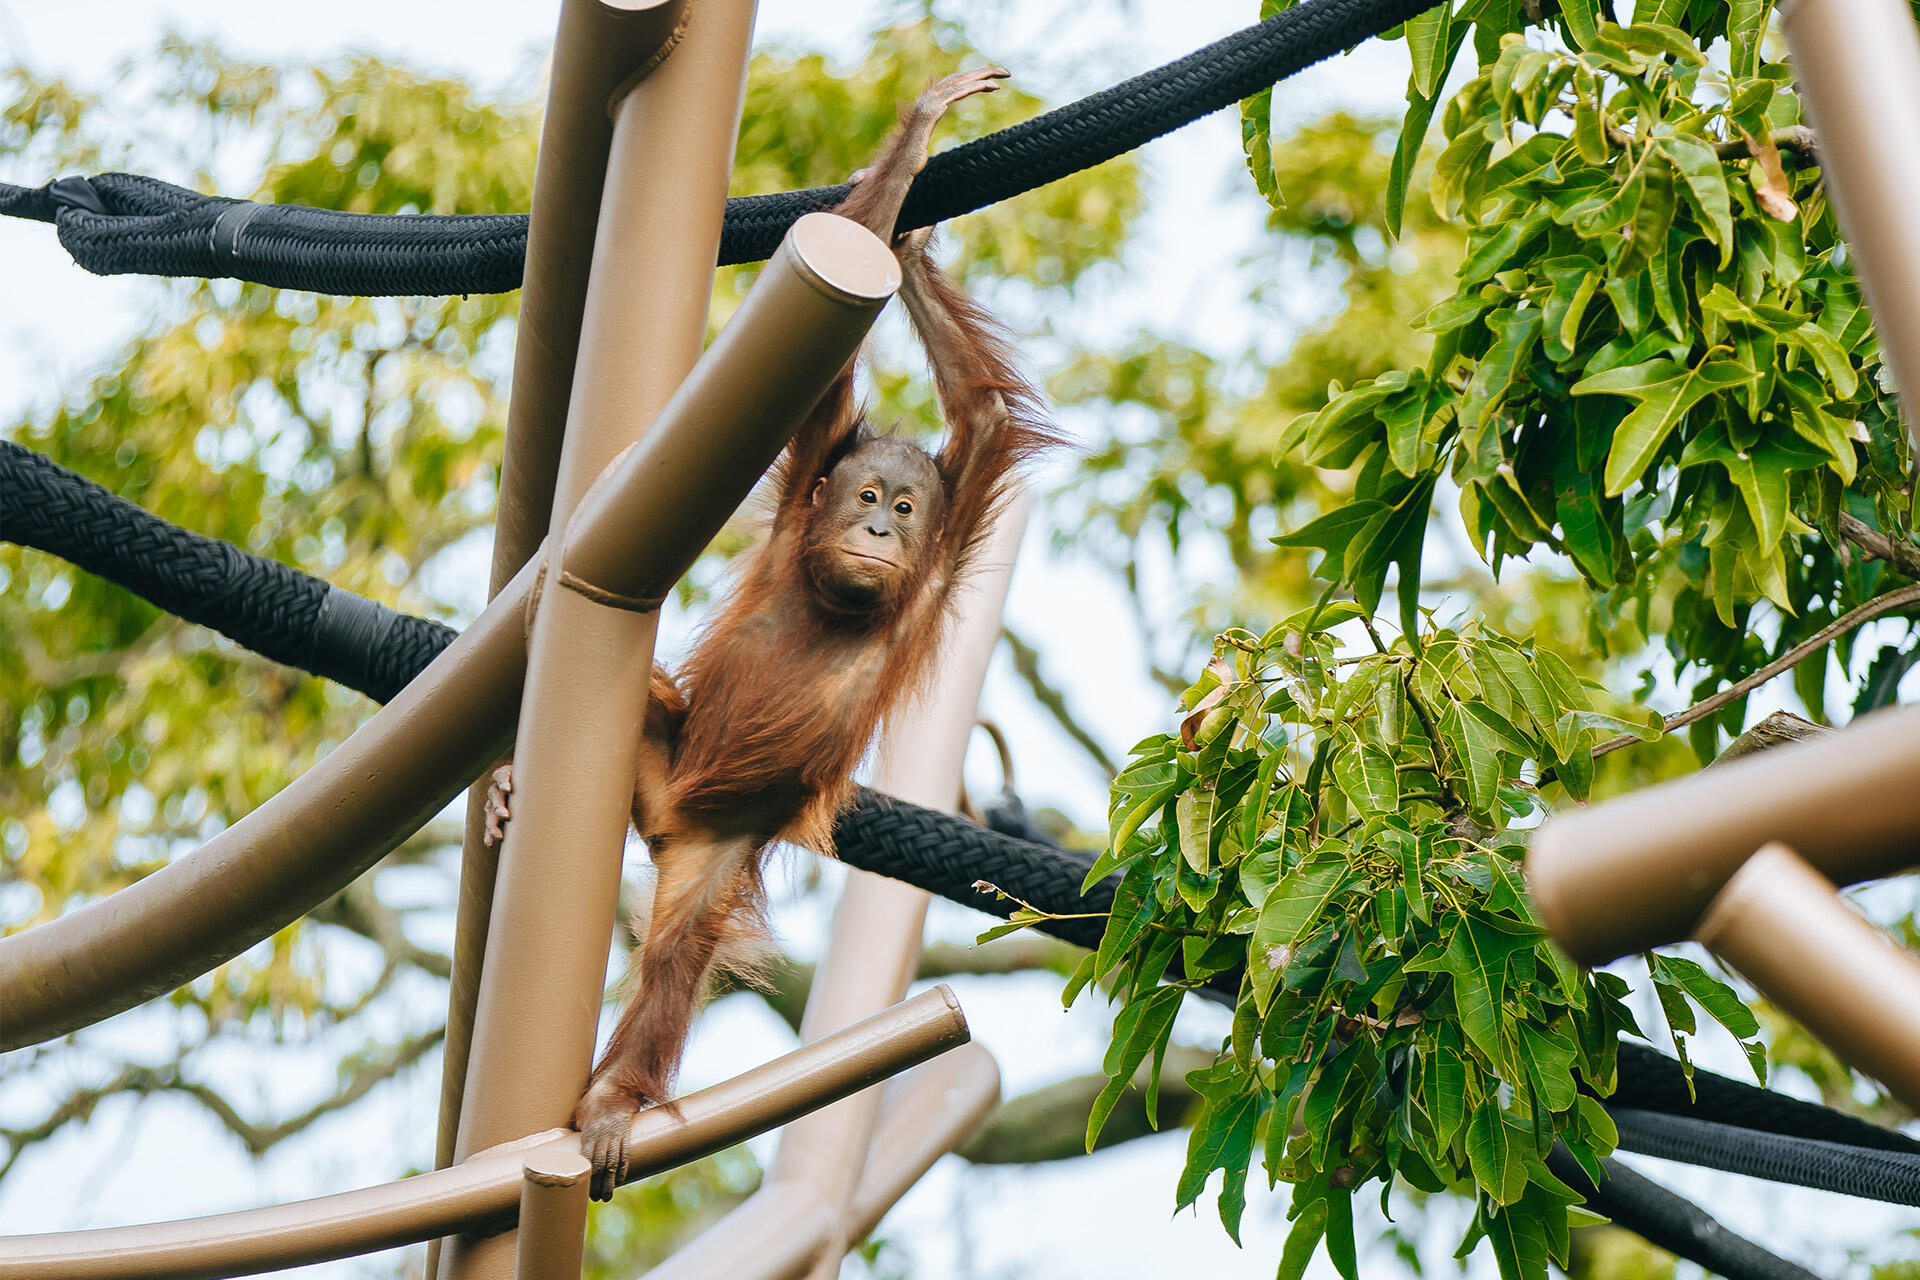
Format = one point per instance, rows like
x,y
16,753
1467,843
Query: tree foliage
x,y
1651,374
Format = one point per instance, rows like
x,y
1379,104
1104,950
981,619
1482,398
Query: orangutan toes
x,y
604,1116
930,106
944,93
498,789
604,1143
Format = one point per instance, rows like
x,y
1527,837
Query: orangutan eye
x,y
869,496
904,507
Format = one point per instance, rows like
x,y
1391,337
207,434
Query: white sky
x,y
1104,1216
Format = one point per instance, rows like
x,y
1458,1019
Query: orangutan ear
x,y
813,499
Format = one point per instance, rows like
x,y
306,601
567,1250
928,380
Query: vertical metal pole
x,y
1858,62
876,941
588,664
1780,923
553,1216
597,47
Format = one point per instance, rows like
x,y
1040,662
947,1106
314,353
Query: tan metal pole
x,y
553,1215
598,47
1637,872
1784,928
648,523
659,137
1858,63
484,1192
560,867
871,957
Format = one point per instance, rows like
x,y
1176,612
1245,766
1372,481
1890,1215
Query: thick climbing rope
x,y
284,614
278,612
119,223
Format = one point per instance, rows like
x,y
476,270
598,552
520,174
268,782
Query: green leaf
x,y
1445,1091
1478,736
1519,1243
1759,473
1295,903
1515,333
1309,1226
1647,234
1406,150
1657,37
1491,253
1706,184
1193,818
1663,392
1141,1028
1222,1138
1256,142
1831,358
1583,21
1115,853
1497,1166
1366,773
1711,994
1476,959
1427,45
1340,1234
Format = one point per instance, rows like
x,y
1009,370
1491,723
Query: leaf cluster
x,y
1335,837
1655,360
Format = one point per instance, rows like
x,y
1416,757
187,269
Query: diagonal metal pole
x,y
816,1202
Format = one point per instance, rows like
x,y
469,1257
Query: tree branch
x,y
1051,1123
1795,139
1026,661
1902,556
363,1072
1898,598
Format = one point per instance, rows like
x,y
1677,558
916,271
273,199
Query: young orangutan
x,y
836,616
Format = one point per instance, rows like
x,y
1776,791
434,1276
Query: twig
x,y
1795,139
1903,556
1898,598
1026,661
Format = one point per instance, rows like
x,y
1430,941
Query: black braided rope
x,y
1651,1081
121,223
303,622
1675,1224
1890,1176
274,610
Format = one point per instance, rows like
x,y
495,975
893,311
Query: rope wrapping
x,y
155,228
277,611
1889,1176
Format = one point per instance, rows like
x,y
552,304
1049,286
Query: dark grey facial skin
x,y
876,516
